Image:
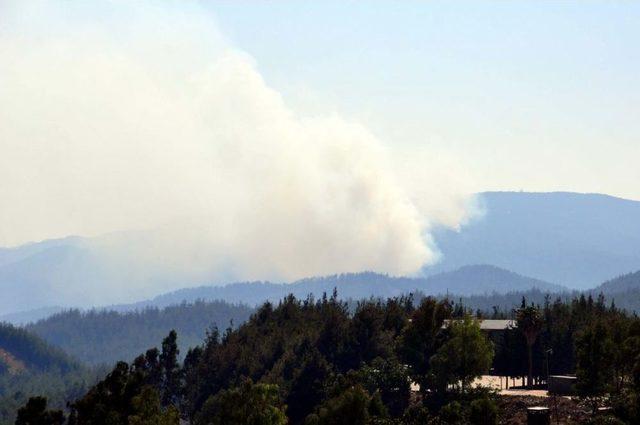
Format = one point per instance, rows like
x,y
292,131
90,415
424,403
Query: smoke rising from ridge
x,y
122,117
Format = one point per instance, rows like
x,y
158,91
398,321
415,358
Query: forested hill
x,y
97,337
29,365
625,283
479,279
303,362
577,240
22,351
623,291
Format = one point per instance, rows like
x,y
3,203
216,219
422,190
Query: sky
x,y
291,139
538,96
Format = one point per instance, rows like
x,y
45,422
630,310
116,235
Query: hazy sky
x,y
526,95
289,139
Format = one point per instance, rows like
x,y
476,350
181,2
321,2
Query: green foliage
x,y
416,415
483,411
530,324
36,368
594,349
452,413
33,351
58,387
248,404
465,355
319,362
422,337
132,391
35,413
389,378
100,336
147,410
170,369
354,406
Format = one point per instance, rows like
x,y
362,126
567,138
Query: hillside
x,y
467,280
29,366
29,316
577,240
97,337
322,363
22,351
625,283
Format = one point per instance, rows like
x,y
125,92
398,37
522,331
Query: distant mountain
x,y
468,280
30,316
120,332
82,272
624,283
54,272
577,240
571,239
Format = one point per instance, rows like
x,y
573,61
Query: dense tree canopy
x,y
326,362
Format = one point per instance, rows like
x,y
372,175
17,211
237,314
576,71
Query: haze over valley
x,y
319,213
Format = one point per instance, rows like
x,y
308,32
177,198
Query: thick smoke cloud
x,y
121,118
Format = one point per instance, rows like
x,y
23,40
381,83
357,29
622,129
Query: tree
x,y
452,413
147,410
248,404
35,413
483,411
466,355
594,369
354,406
307,385
391,380
530,323
422,337
170,368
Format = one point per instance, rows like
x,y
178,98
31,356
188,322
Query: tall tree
x,y
35,413
466,355
422,337
594,352
170,369
252,404
147,410
530,323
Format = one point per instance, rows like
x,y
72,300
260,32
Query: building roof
x,y
495,325
492,325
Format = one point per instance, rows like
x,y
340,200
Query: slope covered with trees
x,y
31,352
99,336
301,362
622,284
29,365
468,280
319,362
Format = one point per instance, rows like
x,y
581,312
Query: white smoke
x,y
130,116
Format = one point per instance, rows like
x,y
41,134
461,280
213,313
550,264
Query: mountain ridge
x,y
358,286
575,240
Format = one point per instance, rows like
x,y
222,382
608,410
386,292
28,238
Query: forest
x,y
100,337
398,361
29,365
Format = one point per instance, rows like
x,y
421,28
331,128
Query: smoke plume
x,y
143,120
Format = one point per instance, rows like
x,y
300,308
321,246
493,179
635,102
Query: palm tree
x,y
529,322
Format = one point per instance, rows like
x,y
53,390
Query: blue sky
x,y
524,95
